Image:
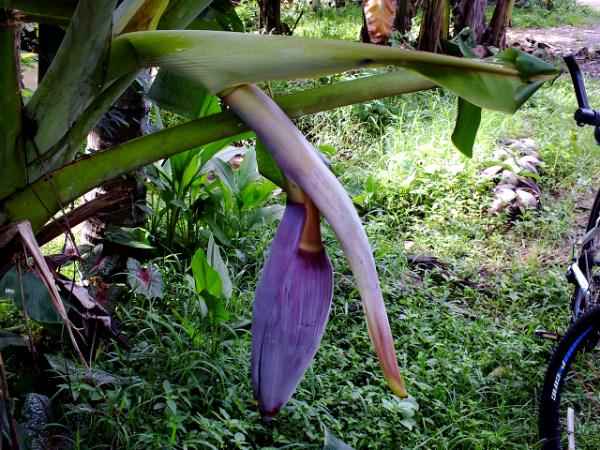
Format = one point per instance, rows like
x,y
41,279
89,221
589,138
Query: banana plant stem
x,y
43,198
12,158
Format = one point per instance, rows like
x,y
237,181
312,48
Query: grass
x,y
464,334
565,12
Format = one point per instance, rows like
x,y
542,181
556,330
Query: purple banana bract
x,y
293,299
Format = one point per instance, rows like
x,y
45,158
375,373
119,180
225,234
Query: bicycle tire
x,y
586,260
573,381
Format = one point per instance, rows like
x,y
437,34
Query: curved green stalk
x,y
39,201
12,159
75,76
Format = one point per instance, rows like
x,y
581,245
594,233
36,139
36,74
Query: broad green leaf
x,y
256,194
267,166
184,167
129,237
225,174
230,21
178,94
266,215
214,258
248,171
38,302
216,308
206,278
220,60
76,373
180,13
217,231
145,281
211,150
467,124
75,75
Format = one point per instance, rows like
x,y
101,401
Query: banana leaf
x,y
75,75
221,60
38,302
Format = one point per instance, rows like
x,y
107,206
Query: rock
x,y
501,154
530,185
527,167
509,177
527,199
491,172
37,414
505,193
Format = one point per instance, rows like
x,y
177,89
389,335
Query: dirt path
x,y
591,3
554,42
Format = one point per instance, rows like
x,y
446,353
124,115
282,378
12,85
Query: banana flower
x,y
293,299
294,292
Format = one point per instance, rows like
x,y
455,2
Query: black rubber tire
x,y
578,345
587,254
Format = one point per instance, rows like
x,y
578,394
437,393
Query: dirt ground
x,y
591,3
554,42
584,42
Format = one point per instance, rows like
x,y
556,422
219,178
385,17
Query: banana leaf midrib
x,y
179,41
222,60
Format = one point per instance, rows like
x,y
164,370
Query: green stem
x,y
181,13
57,12
64,151
44,198
12,158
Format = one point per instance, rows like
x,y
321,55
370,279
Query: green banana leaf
x,y
57,12
221,60
38,303
74,77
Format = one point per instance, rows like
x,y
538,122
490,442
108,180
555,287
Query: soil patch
x,y
551,43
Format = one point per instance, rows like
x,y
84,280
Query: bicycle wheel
x,y
588,262
572,388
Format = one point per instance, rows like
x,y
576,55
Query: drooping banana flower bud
x,y
293,299
299,161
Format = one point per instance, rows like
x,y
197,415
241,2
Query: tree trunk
x,y
270,16
495,34
407,9
470,13
125,120
434,25
364,31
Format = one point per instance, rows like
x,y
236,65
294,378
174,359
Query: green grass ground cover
x,y
464,333
530,14
471,361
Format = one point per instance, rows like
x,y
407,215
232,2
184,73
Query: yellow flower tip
x,y
397,386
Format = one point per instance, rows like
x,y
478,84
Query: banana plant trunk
x,y
270,16
495,34
126,120
470,13
407,9
434,25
